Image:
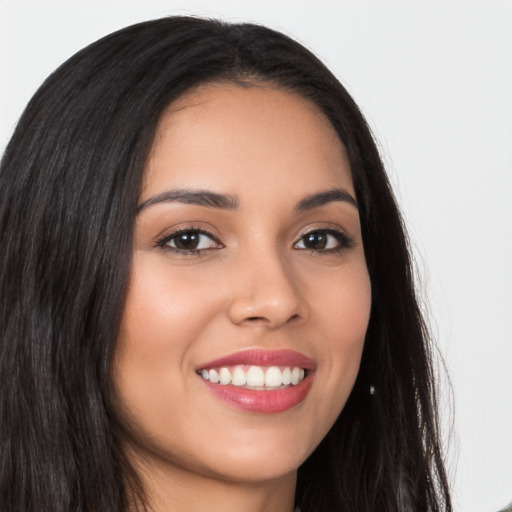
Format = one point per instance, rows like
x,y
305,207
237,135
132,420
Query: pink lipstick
x,y
263,381
263,358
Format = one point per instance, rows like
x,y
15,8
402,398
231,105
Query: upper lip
x,y
260,357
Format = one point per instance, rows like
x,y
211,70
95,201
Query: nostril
x,y
266,310
255,319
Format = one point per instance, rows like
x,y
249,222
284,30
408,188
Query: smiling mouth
x,y
255,377
259,381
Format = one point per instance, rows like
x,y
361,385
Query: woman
x,y
207,295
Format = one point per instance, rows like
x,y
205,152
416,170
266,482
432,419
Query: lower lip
x,y
261,401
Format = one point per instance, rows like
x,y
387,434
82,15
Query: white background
x,y
435,81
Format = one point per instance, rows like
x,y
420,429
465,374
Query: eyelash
x,y
342,239
164,242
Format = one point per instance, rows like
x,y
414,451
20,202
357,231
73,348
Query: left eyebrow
x,y
198,197
322,198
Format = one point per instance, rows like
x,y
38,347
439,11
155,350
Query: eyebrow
x,y
197,197
227,202
322,198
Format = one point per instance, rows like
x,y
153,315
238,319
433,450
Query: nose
x,y
267,294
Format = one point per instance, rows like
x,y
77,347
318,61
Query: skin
x,y
254,285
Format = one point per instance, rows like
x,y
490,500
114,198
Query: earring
x,y
372,390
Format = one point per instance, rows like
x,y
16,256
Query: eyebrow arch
x,y
316,200
197,197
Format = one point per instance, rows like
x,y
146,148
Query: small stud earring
x,y
372,390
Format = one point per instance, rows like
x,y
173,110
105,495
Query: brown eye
x,y
316,241
324,240
189,241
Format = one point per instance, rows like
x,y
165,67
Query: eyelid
x,y
345,240
322,226
203,227
163,240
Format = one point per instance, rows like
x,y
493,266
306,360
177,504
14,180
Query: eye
x,y
324,240
189,241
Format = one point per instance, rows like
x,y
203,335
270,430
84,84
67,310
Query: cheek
x,y
342,314
164,310
349,309
161,321
352,316
342,306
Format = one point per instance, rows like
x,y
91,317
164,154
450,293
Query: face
x,y
249,295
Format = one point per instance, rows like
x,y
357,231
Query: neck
x,y
168,489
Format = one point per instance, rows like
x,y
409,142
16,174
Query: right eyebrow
x,y
197,197
328,196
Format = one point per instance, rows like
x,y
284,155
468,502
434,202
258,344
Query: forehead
x,y
229,137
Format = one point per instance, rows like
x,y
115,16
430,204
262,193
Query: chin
x,y
255,469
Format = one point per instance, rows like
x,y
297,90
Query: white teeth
x,y
225,376
239,378
273,377
255,376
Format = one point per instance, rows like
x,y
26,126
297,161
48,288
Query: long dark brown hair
x,y
69,184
